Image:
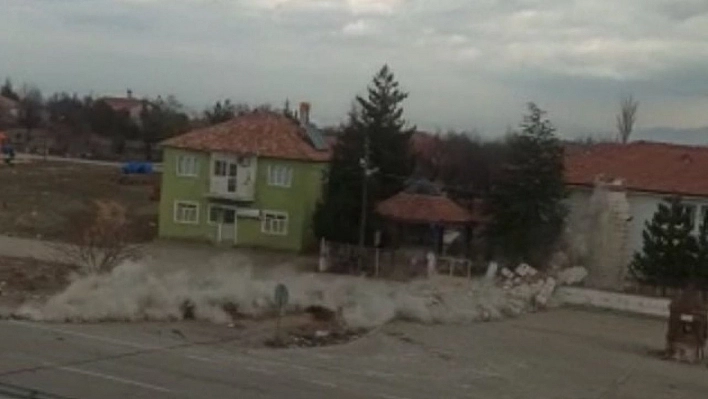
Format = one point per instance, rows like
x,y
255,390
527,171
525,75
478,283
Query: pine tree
x,y
527,201
31,105
220,112
670,252
378,118
8,91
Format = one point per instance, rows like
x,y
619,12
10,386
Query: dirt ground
x,y
38,199
24,279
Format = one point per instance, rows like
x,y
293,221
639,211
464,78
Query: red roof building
x,y
123,104
424,209
635,178
641,166
264,134
428,220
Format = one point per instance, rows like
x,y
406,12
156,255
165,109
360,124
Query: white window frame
x,y
215,170
175,212
280,176
211,206
267,225
187,166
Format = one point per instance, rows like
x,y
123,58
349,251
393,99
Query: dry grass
x,y
24,278
40,199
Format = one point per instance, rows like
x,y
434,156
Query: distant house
x,y
130,105
635,178
251,181
9,111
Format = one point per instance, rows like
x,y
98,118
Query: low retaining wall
x,y
615,301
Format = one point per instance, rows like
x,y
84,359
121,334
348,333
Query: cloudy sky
x,y
466,63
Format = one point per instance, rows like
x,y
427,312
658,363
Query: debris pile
x,y
134,292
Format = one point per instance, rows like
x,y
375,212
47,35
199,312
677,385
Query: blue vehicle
x,y
137,168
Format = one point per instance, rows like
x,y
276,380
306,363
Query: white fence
x,y
405,262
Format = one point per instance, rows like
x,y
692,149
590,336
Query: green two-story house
x,y
251,181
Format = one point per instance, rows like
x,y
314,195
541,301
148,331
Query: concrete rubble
x,y
133,292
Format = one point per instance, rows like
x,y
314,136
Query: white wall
x,y
641,206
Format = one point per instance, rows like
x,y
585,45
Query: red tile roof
x,y
122,103
643,166
421,208
265,134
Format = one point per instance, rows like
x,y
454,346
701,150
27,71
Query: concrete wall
x,y
599,224
614,301
299,201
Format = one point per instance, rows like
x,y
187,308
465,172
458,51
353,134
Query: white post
x,y
377,245
322,266
491,271
431,264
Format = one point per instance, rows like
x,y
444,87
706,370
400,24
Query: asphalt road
x,y
558,354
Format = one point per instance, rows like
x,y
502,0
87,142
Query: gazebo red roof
x,y
422,208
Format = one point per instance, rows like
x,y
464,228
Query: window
x,y
692,214
220,214
219,168
187,165
697,214
275,223
186,212
279,175
231,182
704,212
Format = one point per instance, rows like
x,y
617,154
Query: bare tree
x,y
627,117
100,242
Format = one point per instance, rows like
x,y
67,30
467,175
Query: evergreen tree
x,y
527,201
670,252
31,106
8,91
220,112
159,120
378,120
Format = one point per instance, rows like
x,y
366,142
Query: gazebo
x,y
426,220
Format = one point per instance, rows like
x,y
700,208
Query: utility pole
x,y
364,162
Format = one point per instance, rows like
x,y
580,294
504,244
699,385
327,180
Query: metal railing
x,y
17,392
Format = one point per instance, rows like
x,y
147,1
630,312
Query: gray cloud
x,y
466,64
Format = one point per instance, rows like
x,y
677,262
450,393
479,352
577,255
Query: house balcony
x,y
221,196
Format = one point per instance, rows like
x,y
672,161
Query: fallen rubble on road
x,y
132,292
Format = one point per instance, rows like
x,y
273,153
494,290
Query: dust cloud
x,y
136,292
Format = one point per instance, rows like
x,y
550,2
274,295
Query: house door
x,y
224,220
224,173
